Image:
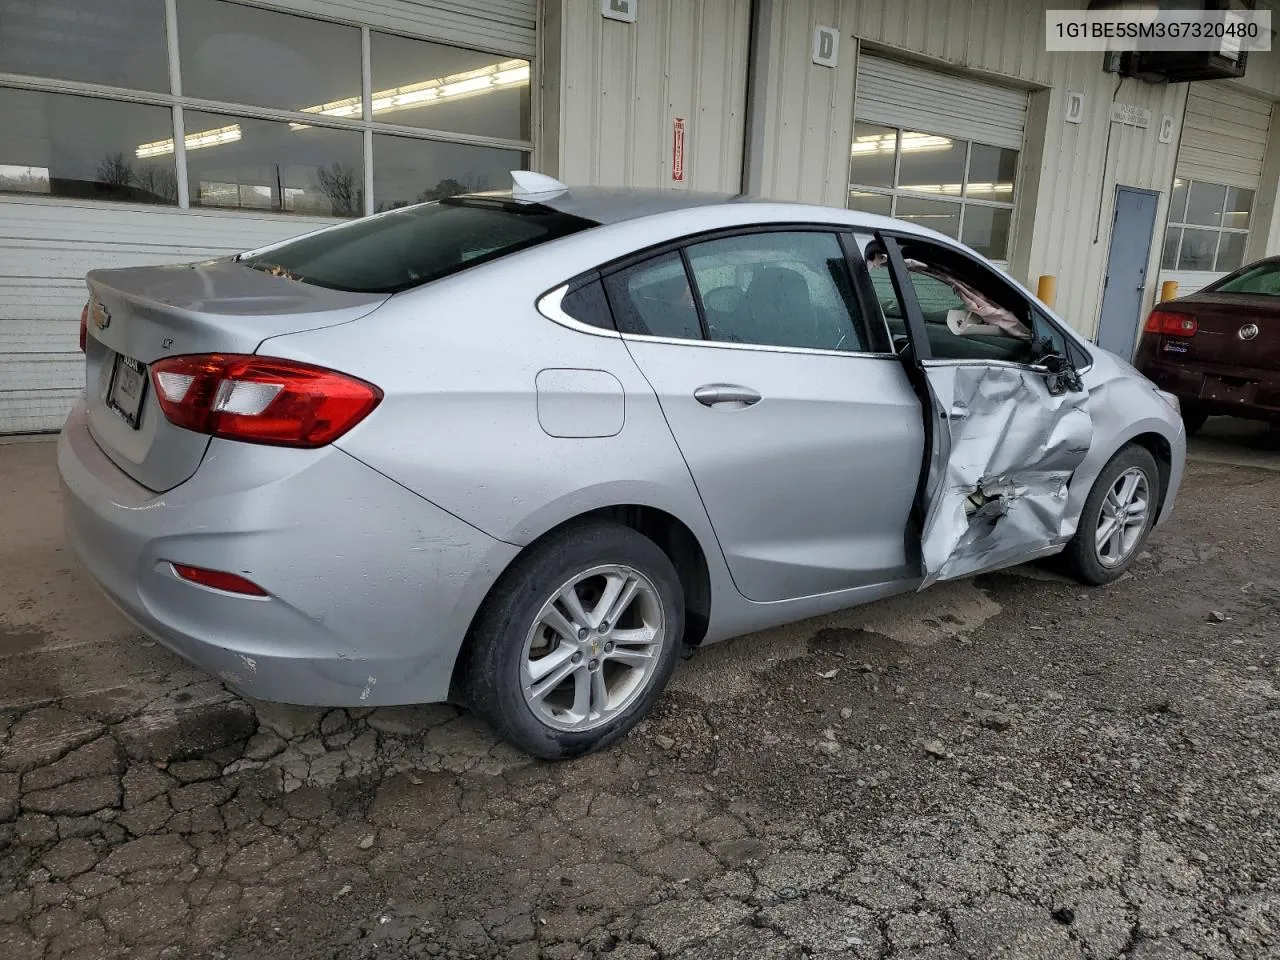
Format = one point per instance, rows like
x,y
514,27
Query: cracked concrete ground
x,y
1010,767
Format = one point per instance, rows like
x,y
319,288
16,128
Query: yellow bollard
x,y
1047,289
1168,290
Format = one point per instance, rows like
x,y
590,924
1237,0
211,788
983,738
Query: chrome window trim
x,y
549,305
759,347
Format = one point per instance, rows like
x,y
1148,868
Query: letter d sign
x,y
826,46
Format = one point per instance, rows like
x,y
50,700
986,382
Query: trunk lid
x,y
139,315
1225,321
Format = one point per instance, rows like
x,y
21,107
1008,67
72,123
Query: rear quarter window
x,y
414,245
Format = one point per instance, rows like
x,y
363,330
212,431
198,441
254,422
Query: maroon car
x,y
1218,349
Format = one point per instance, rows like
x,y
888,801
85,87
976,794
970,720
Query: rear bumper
x,y
1236,391
371,588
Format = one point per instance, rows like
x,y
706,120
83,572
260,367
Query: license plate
x,y
1227,391
128,387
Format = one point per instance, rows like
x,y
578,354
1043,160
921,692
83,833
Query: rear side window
x,y
587,304
1263,280
654,298
404,248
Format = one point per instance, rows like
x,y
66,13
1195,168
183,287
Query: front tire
x,y
1117,518
577,640
1193,418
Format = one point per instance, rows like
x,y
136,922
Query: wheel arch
x,y
673,536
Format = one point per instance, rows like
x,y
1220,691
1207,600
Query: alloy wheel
x,y
1123,518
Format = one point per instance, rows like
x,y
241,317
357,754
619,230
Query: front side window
x,y
785,289
969,312
1208,226
963,189
405,248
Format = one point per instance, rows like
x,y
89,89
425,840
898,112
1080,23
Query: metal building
x,y
143,131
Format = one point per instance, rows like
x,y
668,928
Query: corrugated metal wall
x,y
1069,171
623,84
504,26
46,247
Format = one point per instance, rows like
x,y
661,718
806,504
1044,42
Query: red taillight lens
x,y
218,580
261,399
84,327
1167,323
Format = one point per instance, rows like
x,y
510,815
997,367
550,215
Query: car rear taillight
x,y
84,327
218,580
1167,323
261,399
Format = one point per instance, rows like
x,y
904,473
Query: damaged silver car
x,y
523,449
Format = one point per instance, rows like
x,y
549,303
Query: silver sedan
x,y
523,449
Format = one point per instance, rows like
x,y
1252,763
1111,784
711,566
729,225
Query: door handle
x,y
711,394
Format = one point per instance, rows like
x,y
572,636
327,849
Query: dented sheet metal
x,y
1004,451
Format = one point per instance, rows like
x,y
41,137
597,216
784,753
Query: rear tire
x,y
610,671
1083,558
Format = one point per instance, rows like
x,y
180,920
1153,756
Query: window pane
x,y
869,202
992,172
65,146
1198,248
1178,201
588,305
409,171
405,248
1169,257
871,155
931,164
1263,279
934,214
654,298
1231,252
986,229
245,54
777,289
420,84
1239,207
271,165
1204,203
117,42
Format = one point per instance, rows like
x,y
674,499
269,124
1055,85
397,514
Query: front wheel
x,y
1116,519
577,640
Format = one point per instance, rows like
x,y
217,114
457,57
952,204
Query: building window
x,y
271,110
1208,227
960,188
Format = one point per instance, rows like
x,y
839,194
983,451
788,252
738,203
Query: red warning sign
x,y
677,150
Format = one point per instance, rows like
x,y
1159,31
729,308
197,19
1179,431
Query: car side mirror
x,y
1060,374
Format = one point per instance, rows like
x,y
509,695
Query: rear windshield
x,y
404,248
1262,279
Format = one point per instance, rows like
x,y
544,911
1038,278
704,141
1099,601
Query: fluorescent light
x,y
911,143
192,141
455,86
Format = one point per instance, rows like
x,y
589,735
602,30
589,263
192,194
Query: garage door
x,y
939,150
1224,137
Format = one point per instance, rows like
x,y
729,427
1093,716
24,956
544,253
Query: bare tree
x,y
114,170
160,182
338,183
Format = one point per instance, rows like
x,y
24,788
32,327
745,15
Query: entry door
x,y
1131,230
1005,434
804,445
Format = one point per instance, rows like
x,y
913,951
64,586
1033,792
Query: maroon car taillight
x,y
84,327
261,399
1168,323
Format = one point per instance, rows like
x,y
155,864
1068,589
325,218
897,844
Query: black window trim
x,y
842,232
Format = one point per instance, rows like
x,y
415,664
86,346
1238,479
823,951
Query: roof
x,y
616,204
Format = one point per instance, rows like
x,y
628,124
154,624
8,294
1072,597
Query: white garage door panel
x,y
46,247
1224,137
503,25
904,95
